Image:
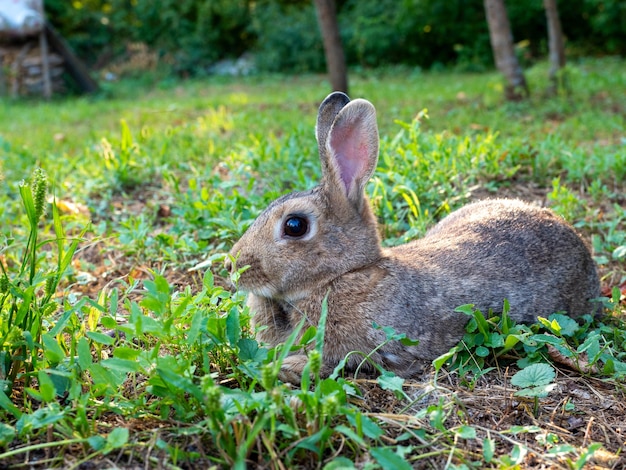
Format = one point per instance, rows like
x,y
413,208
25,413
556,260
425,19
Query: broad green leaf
x,y
106,377
52,349
312,442
161,284
409,342
330,387
120,365
540,391
496,340
567,325
534,375
388,459
466,432
113,300
518,453
619,252
233,328
390,381
364,425
309,334
61,378
489,449
179,382
7,434
547,339
124,352
591,344
524,429
619,367
350,434
108,322
561,450
61,322
197,321
96,442
41,418
340,463
46,387
586,455
117,438
84,354
439,362
467,309
101,338
510,342
8,405
249,350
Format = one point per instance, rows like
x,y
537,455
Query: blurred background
x,y
198,37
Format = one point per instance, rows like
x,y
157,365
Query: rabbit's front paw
x,y
291,369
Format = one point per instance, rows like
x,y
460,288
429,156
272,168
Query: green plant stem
x,y
43,445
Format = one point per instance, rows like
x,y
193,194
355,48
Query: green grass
x,y
117,320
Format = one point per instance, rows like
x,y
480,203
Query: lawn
x,y
124,344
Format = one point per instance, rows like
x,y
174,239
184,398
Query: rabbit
x,y
325,241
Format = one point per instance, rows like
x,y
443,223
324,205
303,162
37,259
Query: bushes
x,y
288,38
192,34
283,34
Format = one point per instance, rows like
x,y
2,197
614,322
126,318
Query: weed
x,y
534,381
148,361
27,300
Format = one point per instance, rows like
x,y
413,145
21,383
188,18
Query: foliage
x,y
190,34
534,381
28,284
407,204
589,346
142,351
292,43
283,34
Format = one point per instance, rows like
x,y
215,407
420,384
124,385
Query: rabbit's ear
x,y
352,149
326,115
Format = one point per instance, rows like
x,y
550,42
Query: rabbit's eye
x,y
296,226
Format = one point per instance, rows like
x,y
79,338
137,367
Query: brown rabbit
x,y
308,244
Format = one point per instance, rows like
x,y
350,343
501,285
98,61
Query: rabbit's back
x,y
482,254
501,248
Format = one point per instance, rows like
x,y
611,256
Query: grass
x,y
124,346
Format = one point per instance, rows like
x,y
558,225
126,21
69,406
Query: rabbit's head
x,y
303,240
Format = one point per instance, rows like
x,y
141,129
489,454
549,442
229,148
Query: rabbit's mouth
x,y
270,291
255,281
258,284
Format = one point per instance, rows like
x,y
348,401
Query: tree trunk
x,y
504,51
556,46
333,50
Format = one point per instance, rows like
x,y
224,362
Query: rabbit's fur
x,y
481,254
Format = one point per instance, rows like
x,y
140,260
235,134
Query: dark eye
x,y
295,226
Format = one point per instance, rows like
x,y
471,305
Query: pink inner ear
x,y
351,153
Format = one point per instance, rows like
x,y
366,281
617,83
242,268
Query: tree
x,y
333,49
556,45
503,50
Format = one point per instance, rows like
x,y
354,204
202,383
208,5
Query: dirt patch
x,y
578,412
